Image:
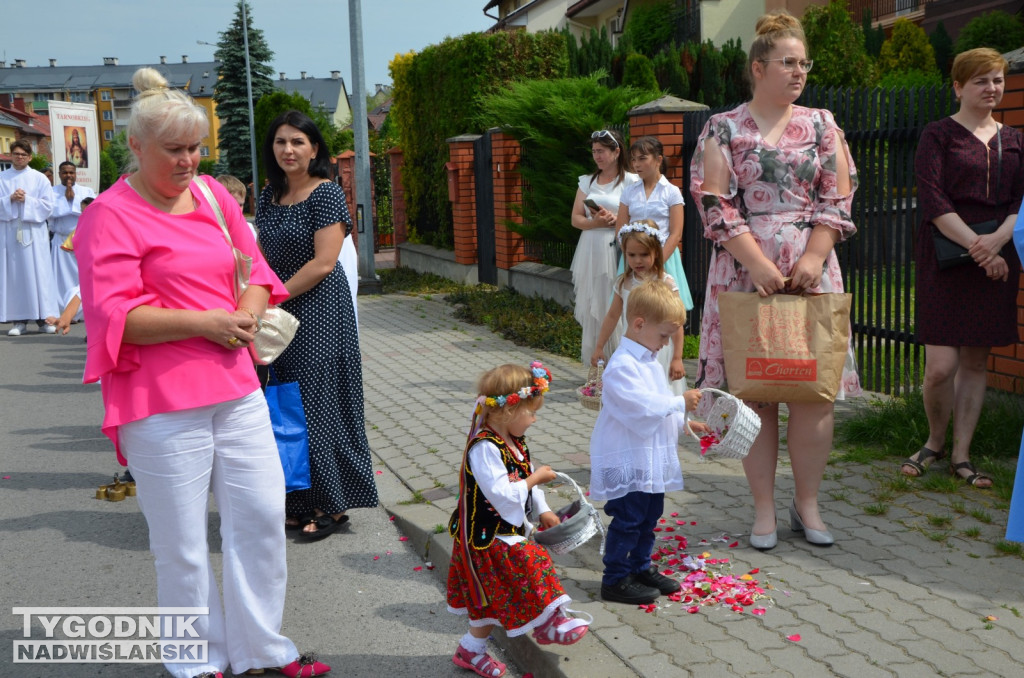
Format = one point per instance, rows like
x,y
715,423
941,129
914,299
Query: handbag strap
x,y
208,194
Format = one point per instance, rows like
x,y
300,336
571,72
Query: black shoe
x,y
126,477
657,580
629,591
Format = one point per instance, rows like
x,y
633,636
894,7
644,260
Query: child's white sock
x,y
474,644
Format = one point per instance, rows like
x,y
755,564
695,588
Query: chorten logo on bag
x,y
782,369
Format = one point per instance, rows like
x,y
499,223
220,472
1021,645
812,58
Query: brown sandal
x,y
975,476
925,458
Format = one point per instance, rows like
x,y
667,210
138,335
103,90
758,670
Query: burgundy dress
x,y
961,306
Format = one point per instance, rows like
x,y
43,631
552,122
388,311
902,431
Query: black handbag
x,y
949,253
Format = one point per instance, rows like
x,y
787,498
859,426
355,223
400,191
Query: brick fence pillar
x,y
663,118
1006,363
462,194
508,191
398,218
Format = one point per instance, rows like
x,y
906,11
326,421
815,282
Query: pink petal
x,y
759,611
403,539
795,638
693,610
417,568
392,519
675,515
734,544
380,472
376,557
7,477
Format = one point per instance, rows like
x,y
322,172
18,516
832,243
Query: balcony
x,y
887,11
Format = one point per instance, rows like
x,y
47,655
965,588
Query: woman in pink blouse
x,y
774,184
167,342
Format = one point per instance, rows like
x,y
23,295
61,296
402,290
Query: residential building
x,y
17,121
109,88
324,94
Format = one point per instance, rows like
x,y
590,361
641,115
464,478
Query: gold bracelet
x,y
256,318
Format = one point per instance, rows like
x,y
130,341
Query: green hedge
x,y
437,95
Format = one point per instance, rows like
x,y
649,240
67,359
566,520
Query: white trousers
x,y
176,459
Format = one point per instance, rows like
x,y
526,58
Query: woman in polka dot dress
x,y
302,220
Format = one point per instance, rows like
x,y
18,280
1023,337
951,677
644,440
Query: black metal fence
x,y
882,128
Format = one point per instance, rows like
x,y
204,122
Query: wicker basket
x,y
593,400
580,522
733,423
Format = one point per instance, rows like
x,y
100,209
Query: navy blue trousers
x,y
630,539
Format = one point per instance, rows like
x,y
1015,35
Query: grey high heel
x,y
816,537
765,542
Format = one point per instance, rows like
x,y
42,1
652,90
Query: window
x,y
43,96
108,115
80,97
108,134
105,95
204,152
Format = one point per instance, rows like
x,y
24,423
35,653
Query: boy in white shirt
x,y
633,449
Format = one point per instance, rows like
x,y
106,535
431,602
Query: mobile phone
x,y
591,205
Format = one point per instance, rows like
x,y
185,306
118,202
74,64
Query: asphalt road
x,y
357,597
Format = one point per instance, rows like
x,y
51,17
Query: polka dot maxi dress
x,y
324,356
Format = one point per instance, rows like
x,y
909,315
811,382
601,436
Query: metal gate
x,y
487,266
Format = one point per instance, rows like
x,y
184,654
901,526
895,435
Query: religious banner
x,y
75,138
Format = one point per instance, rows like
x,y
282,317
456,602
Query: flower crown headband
x,y
541,381
645,226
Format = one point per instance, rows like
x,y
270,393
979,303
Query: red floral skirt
x,y
519,580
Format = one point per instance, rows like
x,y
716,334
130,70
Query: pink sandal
x,y
482,664
561,630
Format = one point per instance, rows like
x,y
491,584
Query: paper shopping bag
x,y
785,347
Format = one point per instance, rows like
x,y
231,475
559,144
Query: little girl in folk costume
x,y
497,576
641,243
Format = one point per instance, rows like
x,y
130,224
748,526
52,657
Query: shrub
x,y
650,27
1001,31
907,49
437,95
836,44
553,121
639,73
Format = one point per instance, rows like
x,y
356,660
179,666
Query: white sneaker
x,y
17,330
48,329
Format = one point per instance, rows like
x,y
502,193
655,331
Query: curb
x,y
589,658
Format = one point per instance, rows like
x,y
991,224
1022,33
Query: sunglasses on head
x,y
604,134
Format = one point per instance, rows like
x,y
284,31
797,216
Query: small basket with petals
x,y
734,426
580,522
590,393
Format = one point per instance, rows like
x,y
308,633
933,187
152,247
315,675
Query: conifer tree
x,y
230,91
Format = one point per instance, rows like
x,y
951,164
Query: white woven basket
x,y
734,424
592,402
582,523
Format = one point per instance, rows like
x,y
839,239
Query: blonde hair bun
x,y
147,80
776,22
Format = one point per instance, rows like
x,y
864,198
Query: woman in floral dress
x,y
774,184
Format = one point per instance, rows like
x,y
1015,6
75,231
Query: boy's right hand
x,y
598,355
540,476
692,398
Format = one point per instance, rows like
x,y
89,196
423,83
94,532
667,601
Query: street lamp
x,y
248,91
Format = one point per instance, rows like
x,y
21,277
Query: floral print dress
x,y
777,194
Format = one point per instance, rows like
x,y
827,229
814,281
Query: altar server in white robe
x,y
27,289
67,208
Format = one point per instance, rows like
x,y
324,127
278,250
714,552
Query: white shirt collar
x,y
638,351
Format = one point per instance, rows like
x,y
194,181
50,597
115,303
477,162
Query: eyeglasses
x,y
604,134
21,155
791,63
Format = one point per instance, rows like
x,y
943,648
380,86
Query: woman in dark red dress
x,y
969,170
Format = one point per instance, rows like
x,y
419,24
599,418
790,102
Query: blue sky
x,y
305,35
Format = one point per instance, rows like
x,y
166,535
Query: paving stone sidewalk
x,y
888,599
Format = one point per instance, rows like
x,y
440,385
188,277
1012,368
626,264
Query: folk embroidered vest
x,y
484,521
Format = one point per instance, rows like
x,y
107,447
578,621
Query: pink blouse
x,y
131,254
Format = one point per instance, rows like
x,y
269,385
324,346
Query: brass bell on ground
x,y
115,493
101,493
129,489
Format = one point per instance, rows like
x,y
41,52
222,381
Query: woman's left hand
x,y
997,269
986,248
548,519
806,273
